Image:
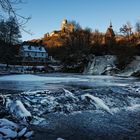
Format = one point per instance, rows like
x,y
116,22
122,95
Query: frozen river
x,y
78,106
34,82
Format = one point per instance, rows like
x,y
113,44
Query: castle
x,y
56,38
66,28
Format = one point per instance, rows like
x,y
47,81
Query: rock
x,y
18,109
1,137
7,123
8,133
69,94
60,139
28,134
22,132
136,74
110,70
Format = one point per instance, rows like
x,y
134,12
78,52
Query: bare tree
x,y
126,29
137,28
97,37
8,7
77,26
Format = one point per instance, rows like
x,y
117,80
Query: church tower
x,y
110,36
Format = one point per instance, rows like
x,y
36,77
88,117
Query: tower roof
x,y
110,24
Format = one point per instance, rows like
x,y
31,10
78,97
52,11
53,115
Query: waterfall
x,y
101,65
133,68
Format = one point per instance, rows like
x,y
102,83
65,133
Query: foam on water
x,y
99,102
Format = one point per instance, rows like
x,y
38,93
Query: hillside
x,y
74,46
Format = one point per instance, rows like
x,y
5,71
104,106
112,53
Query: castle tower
x,y
63,25
67,27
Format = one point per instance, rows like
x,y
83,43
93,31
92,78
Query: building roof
x,y
110,32
31,48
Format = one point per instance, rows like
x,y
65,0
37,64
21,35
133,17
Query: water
x,y
33,82
111,110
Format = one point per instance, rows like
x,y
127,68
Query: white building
x,y
33,55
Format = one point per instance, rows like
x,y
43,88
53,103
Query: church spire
x,y
110,24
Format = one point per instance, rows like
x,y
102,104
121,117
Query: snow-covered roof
x,y
32,48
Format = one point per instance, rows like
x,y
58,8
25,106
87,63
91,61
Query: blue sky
x,y
96,14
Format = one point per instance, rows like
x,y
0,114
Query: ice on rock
x,y
18,109
8,133
39,121
97,101
60,139
7,123
134,107
1,137
10,130
28,134
69,94
22,132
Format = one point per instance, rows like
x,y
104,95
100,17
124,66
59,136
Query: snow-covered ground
x,y
107,106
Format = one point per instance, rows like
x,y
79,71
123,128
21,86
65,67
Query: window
x,y
40,48
29,47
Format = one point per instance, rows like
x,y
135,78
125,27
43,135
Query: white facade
x,y
35,54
